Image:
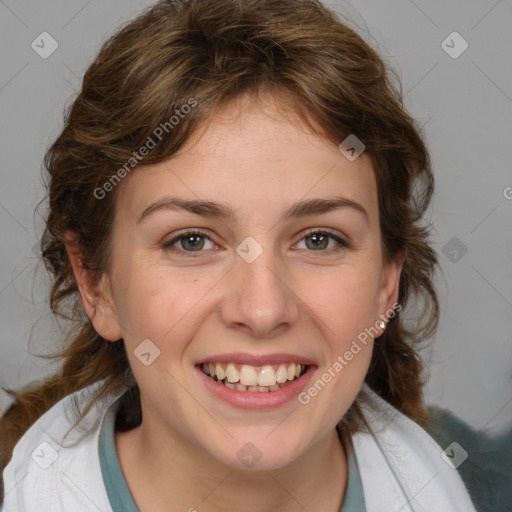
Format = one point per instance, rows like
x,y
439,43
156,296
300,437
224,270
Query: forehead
x,y
256,159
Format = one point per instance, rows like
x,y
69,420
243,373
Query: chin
x,y
260,452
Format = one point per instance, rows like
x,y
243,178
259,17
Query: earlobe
x,y
96,295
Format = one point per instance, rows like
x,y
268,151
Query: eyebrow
x,y
222,211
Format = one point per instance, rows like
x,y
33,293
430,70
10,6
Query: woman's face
x,y
252,293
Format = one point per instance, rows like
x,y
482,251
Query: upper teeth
x,y
248,375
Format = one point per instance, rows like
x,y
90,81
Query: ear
x,y
96,294
390,285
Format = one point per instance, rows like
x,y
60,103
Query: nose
x,y
259,301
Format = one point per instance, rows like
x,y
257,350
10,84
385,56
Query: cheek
x,y
346,302
152,302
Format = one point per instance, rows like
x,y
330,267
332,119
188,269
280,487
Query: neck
x,y
177,476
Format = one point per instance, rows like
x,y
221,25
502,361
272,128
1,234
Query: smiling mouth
x,y
262,379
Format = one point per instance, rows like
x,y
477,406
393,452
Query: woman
x,y
235,226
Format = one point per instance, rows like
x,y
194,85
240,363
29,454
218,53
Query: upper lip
x,y
261,360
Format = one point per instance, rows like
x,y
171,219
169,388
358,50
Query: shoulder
x,y
56,463
7,400
486,469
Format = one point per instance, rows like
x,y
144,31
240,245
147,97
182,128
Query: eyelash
x,y
343,244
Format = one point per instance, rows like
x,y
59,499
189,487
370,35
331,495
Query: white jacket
x,y
402,468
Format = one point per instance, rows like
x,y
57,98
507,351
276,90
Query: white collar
x,y
400,464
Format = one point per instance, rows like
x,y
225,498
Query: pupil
x,y
318,238
199,242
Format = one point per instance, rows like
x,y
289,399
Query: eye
x,y
189,242
318,240
194,241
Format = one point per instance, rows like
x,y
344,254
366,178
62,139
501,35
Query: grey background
x,y
464,104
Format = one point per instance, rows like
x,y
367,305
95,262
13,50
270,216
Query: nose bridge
x,y
259,298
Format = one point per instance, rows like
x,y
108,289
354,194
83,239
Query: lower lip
x,y
256,399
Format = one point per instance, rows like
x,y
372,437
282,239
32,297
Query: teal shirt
x,y
487,472
119,495
121,499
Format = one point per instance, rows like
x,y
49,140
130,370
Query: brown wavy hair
x,y
217,51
